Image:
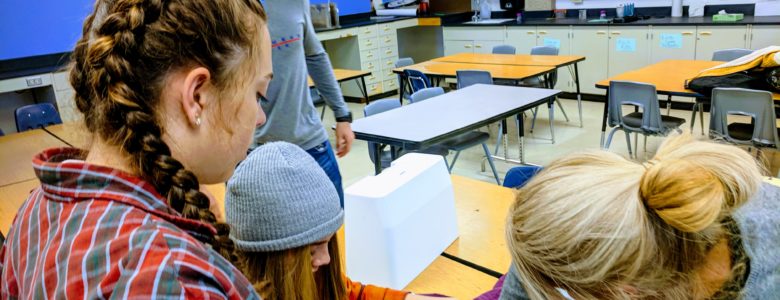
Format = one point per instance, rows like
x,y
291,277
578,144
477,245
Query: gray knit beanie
x,y
279,198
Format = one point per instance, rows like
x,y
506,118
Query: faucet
x,y
475,4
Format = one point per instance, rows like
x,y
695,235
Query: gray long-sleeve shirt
x,y
759,225
296,53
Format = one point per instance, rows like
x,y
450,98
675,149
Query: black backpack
x,y
747,80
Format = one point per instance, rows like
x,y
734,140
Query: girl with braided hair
x,y
169,90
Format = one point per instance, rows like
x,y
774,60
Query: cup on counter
x,y
560,13
620,11
583,15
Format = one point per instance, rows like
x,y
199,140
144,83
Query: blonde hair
x,y
600,226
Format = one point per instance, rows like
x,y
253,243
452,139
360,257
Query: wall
x,y
567,4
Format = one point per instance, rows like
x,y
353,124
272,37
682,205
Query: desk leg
x,y
669,105
521,135
377,158
393,153
604,119
363,89
401,87
579,94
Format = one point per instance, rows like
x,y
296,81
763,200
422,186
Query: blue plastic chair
x,y
730,54
417,80
2,133
34,116
426,94
505,49
517,177
400,63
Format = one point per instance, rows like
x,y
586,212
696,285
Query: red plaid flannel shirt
x,y
95,232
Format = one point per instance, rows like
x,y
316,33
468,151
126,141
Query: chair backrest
x,y
468,78
517,177
316,98
35,116
544,50
730,54
417,80
403,62
1,132
426,94
547,50
637,94
375,107
758,105
504,49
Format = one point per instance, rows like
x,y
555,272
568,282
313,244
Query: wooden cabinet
x,y
593,43
628,48
762,36
712,38
522,38
472,39
455,47
672,42
560,37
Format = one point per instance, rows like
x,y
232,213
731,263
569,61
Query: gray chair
x,y
505,49
403,62
386,157
317,99
698,104
539,82
730,54
761,132
469,139
647,121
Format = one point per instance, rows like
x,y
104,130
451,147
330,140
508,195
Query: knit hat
x,y
279,198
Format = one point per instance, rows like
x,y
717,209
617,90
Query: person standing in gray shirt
x,y
291,114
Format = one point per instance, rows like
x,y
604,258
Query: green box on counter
x,y
728,17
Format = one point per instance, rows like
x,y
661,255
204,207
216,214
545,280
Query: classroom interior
x,y
365,53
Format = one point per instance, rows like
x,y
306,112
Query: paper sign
x,y
556,43
671,40
625,45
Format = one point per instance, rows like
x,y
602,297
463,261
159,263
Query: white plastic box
x,y
398,222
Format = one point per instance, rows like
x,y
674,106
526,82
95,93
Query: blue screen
x,y
349,7
40,27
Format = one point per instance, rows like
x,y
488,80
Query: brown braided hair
x,y
118,72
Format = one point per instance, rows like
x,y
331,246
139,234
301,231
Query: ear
x,y
195,97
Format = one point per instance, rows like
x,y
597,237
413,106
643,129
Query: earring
x,y
197,120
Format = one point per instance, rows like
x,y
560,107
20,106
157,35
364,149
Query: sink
x,y
490,21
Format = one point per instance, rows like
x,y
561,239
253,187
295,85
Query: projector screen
x,y
40,27
349,7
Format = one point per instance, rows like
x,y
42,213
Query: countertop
x,y
363,22
666,21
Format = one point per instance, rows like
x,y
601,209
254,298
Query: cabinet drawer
x,y
386,28
368,44
366,32
370,66
390,85
375,88
388,40
389,52
470,33
375,77
368,55
388,63
337,34
388,74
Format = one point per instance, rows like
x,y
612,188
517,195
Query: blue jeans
x,y
323,154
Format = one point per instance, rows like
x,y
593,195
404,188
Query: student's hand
x,y
411,296
344,138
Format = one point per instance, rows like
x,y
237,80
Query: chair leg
x,y
490,161
636,143
455,159
628,141
552,122
693,115
645,147
609,138
701,117
533,120
562,110
579,106
500,136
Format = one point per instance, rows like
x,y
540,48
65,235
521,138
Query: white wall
x,y
567,4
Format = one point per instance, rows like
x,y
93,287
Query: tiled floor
x,y
539,150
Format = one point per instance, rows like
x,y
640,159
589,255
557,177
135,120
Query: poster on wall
x,y
625,45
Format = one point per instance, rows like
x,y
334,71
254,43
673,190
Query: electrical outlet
x,y
34,81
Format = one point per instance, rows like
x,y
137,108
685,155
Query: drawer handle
x,y
479,46
389,63
375,89
370,56
542,32
388,40
687,33
616,33
467,46
389,52
602,32
530,32
706,33
369,44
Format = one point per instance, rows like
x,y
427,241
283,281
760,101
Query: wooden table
x,y
73,134
11,198
343,75
513,60
449,69
669,78
17,151
481,209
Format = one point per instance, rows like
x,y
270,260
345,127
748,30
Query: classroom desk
x,y
669,78
11,198
73,134
17,151
343,75
411,127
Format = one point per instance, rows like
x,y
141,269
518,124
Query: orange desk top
x,y
447,69
72,133
17,151
668,76
344,75
512,60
